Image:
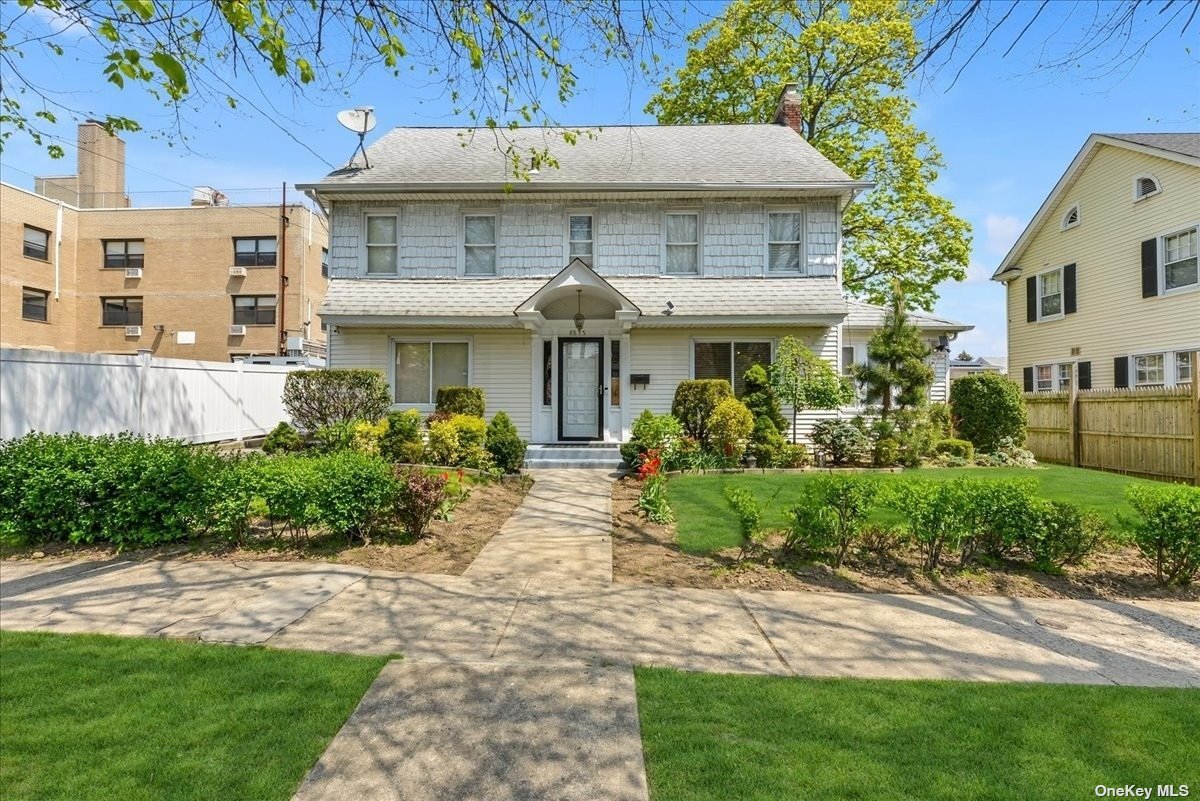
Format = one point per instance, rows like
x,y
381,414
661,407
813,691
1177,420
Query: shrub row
x,y
132,492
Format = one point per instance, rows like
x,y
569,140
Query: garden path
x,y
517,678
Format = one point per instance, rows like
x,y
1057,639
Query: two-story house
x,y
581,297
1102,285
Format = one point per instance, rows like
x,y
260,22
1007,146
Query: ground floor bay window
x,y
423,366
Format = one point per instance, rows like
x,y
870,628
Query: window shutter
x,y
1084,371
1031,299
1028,372
1149,268
1121,372
1069,289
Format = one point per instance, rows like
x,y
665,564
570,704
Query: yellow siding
x,y
1113,319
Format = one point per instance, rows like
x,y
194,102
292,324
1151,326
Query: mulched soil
x,y
448,547
647,553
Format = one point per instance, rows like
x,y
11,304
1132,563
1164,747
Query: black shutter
x,y
1028,372
1069,289
1149,268
1084,369
1031,299
1121,372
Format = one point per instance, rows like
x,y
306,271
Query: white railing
x,y
96,394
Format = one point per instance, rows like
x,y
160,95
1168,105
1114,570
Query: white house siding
x,y
499,362
939,390
1113,319
666,354
531,236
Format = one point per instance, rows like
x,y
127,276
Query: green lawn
x,y
723,737
110,718
706,523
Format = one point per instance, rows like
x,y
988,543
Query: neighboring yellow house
x,y
1102,285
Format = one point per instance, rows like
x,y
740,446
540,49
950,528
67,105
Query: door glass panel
x,y
580,393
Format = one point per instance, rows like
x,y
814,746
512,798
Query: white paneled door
x,y
581,388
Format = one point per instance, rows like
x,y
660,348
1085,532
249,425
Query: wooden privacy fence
x,y
1144,432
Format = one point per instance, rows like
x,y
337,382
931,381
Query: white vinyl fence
x,y
97,394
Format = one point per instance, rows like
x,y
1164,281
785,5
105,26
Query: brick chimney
x,y
788,112
101,167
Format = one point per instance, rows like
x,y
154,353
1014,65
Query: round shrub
x,y
766,443
694,403
442,447
404,430
354,492
961,448
461,400
650,431
886,452
794,457
840,441
1168,530
504,443
282,439
419,498
729,428
318,398
986,408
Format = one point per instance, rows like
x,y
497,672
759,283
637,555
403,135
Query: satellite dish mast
x,y
361,121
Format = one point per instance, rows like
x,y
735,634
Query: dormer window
x,y
1144,186
1071,218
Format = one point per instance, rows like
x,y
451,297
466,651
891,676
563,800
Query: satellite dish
x,y
361,121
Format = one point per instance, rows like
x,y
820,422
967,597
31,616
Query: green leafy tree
x,y
896,374
850,62
965,356
494,60
806,381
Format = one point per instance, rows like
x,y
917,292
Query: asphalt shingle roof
x,y
1187,144
498,297
621,154
868,315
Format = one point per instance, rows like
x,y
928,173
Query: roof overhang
x,y
1008,270
334,188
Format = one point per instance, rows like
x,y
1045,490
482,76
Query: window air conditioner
x,y
133,330
237,272
133,272
237,330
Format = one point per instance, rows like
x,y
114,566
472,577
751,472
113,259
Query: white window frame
x,y
1133,369
1041,318
731,341
699,215
1066,223
1057,382
567,257
1137,180
803,243
1162,260
431,341
462,242
1192,366
366,246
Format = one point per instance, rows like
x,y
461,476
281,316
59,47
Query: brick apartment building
x,y
81,270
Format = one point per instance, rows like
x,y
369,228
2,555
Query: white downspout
x,y
58,225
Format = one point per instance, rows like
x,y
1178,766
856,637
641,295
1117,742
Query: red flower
x,y
651,464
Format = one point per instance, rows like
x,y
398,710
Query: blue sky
x,y
1006,130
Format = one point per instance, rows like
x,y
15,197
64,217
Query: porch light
x,y
578,318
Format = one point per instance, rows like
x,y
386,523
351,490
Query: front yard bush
x,y
986,408
694,403
420,497
1061,534
282,439
1168,531
335,436
504,443
353,494
461,400
936,515
287,486
119,489
840,441
729,428
766,443
403,441
761,399
652,432
318,398
833,509
961,448
749,515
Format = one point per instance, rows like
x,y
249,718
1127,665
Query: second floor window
x,y
479,244
784,242
254,251
324,262
121,311
120,253
1050,294
254,310
1180,260
36,243
683,243
35,305
580,238
383,251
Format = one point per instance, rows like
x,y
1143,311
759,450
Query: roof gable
x,y
1183,148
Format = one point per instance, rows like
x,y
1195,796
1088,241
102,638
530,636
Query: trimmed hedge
x,y
461,400
317,399
987,408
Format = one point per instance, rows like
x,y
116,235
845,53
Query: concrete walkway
x,y
517,679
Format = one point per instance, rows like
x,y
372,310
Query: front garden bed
x,y
702,548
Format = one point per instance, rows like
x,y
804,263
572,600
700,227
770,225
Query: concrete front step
x,y
602,456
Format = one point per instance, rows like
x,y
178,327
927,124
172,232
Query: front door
x,y
580,388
